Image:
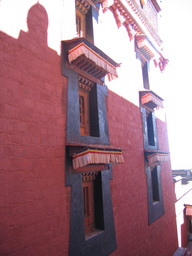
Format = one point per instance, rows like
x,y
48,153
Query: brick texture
x,y
129,187
34,202
33,205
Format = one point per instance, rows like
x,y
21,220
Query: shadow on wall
x,y
37,22
34,41
29,62
32,132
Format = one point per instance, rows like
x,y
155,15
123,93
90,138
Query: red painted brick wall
x,y
129,187
34,203
34,199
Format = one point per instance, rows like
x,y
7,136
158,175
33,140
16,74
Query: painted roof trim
x,y
133,16
156,5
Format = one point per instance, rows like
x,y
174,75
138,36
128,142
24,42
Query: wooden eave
x,y
96,156
129,14
145,48
77,146
89,61
156,5
139,22
156,156
150,100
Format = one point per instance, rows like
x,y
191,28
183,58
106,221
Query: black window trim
x,y
155,209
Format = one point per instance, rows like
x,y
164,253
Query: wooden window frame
x,y
92,204
84,112
88,108
155,207
80,24
150,132
88,200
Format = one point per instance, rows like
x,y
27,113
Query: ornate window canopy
x,y
90,61
188,209
156,157
146,49
150,100
96,156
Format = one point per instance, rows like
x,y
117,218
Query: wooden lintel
x,y
83,73
92,168
81,65
79,61
99,73
88,67
92,69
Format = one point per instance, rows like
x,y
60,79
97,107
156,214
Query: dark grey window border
x,y
155,209
145,132
145,73
103,243
73,122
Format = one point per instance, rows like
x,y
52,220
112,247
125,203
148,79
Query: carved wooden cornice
x,y
129,14
82,5
133,14
156,5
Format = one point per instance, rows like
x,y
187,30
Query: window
x,y
155,185
150,135
84,112
91,212
145,76
88,206
155,196
93,204
149,102
88,107
80,24
150,129
190,226
84,23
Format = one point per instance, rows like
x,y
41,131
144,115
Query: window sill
x,y
93,233
155,202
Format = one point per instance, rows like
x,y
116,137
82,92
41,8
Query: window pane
x,y
84,112
150,130
155,185
78,26
88,206
93,205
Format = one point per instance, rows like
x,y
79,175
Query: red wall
x,y
129,187
34,200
